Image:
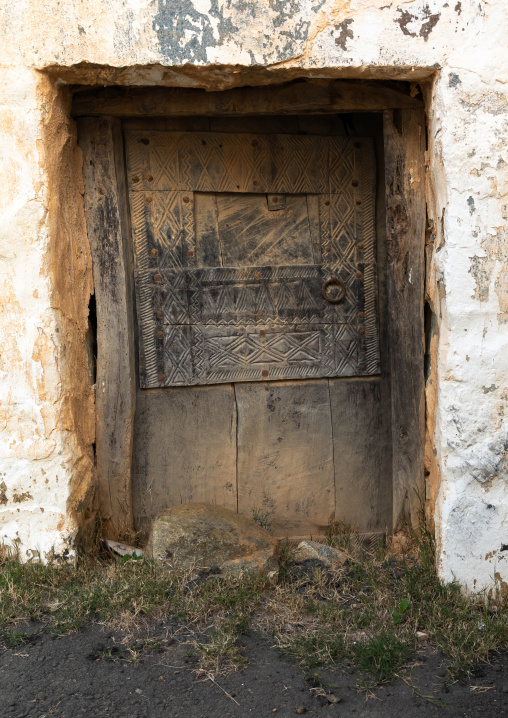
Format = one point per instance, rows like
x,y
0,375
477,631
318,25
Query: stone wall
x,y
456,50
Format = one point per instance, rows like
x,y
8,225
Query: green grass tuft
x,y
383,655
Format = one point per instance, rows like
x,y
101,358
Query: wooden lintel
x,y
289,99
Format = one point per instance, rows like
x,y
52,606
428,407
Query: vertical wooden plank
x,y
285,455
405,236
361,439
184,449
106,219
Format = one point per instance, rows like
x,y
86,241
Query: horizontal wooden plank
x,y
289,99
216,162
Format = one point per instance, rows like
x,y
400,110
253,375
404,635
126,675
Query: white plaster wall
x,y
462,43
36,453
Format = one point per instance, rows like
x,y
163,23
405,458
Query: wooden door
x,y
258,326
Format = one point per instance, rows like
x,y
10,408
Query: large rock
x,y
204,536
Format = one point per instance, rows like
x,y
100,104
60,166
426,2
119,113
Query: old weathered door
x,y
255,269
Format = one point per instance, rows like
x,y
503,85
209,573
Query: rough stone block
x,y
199,536
313,550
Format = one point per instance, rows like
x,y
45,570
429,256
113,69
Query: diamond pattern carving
x,y
252,323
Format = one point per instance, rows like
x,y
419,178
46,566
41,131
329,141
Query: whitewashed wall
x,y
458,48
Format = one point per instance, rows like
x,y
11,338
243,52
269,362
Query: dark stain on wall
x,y
481,271
345,33
184,33
18,498
454,80
430,21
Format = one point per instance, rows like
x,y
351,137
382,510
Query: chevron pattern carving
x,y
204,325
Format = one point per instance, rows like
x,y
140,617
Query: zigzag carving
x,y
222,324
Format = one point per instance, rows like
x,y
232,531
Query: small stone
x,y
421,636
313,550
333,699
301,710
199,536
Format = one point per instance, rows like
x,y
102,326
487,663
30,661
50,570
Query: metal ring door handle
x,y
333,281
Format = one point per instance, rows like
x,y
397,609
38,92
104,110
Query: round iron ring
x,y
334,281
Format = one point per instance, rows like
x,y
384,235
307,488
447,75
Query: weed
x,y
341,535
382,654
262,518
398,615
285,553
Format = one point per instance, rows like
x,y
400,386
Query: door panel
x,y
361,438
241,230
285,455
264,230
184,450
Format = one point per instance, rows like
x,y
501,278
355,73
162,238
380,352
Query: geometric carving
x,y
202,321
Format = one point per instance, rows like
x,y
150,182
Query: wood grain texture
x,y
252,235
405,234
184,450
362,453
106,219
285,455
289,99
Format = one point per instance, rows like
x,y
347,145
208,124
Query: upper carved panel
x,y
234,236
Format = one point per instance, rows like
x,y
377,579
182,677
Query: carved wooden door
x,y
260,383
254,256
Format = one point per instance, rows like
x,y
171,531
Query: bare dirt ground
x,y
99,672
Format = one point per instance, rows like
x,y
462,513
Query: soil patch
x,y
155,673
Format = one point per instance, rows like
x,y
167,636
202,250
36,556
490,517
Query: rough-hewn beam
x,y
290,99
405,235
106,220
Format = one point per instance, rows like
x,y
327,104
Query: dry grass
x,y
367,612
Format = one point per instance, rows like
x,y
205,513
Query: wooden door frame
x,y
99,117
